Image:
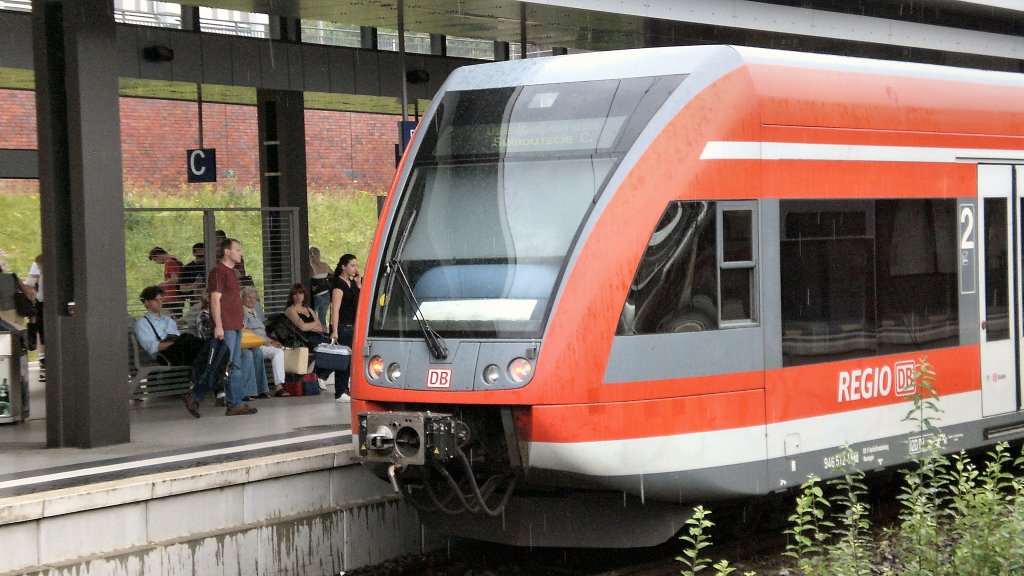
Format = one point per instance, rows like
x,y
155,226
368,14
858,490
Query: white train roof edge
x,y
720,59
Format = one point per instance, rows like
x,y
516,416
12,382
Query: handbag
x,y
251,339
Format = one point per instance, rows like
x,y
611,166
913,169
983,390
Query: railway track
x,y
755,550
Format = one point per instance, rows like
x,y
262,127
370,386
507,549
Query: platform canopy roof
x,y
993,28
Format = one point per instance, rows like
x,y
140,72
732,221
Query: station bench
x,y
147,378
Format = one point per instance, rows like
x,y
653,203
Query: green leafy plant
x,y
696,540
848,552
809,526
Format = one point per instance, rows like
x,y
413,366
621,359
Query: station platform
x,y
277,492
165,437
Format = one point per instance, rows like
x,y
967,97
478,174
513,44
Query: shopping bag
x,y
296,360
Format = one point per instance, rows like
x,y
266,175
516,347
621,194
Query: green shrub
x,y
954,518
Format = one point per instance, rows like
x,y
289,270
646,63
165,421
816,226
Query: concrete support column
x,y
282,133
82,212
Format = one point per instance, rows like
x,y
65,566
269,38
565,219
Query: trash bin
x,y
13,374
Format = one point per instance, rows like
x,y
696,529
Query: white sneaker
x,y
343,398
322,383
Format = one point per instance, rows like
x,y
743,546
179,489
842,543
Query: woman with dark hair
x,y
308,324
301,315
344,297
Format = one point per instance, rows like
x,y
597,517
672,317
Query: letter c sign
x,y
201,165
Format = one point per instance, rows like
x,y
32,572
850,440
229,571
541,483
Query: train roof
x,y
689,59
796,88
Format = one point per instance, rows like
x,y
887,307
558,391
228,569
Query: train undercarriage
x,y
463,470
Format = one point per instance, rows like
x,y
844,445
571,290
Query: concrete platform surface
x,y
165,437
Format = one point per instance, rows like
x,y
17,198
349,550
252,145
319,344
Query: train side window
x,y
867,277
737,249
997,302
676,285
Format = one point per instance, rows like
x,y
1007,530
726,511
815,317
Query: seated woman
x,y
303,318
253,320
306,321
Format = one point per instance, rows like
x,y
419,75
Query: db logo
x,y
905,377
439,378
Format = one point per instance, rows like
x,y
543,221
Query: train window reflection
x,y
675,288
861,278
698,271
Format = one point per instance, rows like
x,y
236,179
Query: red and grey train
x,y
608,286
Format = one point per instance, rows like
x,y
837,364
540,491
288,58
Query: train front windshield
x,y
502,182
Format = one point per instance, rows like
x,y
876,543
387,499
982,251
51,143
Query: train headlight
x,y
375,367
520,370
491,373
394,372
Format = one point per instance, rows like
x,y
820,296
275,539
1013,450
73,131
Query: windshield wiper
x,y
390,272
435,343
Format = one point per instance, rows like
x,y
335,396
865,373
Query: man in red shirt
x,y
173,302
226,315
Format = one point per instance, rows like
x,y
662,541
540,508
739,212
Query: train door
x,y
999,284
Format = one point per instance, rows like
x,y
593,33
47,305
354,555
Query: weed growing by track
x,y
956,517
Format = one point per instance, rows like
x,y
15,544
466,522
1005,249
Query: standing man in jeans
x,y
226,314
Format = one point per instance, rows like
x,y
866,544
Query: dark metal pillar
x,y
190,18
501,51
282,133
82,211
438,44
368,37
285,29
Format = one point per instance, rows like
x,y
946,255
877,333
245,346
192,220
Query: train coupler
x,y
407,438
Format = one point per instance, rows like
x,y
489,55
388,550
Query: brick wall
x,y
18,119
344,149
